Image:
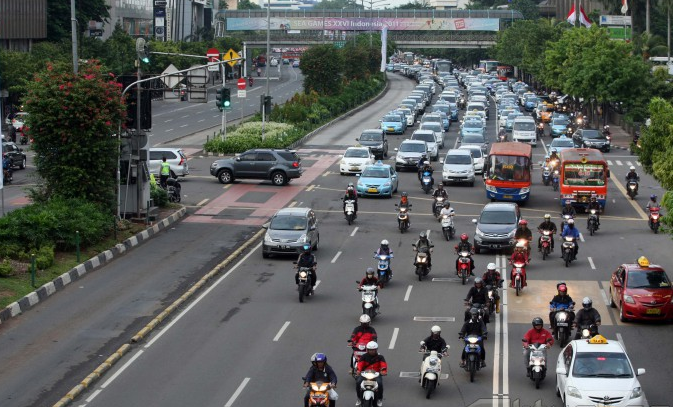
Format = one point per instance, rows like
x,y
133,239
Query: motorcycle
x,y
370,300
564,221
369,387
502,136
545,243
546,175
319,394
173,189
437,206
472,354
518,270
464,269
359,349
383,268
490,302
539,131
587,331
426,181
349,210
592,222
403,217
632,189
561,322
568,250
421,262
304,286
448,229
251,81
654,219
431,369
555,180
7,176
481,311
537,363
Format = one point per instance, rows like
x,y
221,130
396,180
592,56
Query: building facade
x,y
21,23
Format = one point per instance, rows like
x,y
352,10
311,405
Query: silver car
x,y
175,157
289,230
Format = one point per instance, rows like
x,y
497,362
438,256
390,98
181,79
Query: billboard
x,y
615,20
365,24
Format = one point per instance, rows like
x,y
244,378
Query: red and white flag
x,y
584,20
625,7
572,16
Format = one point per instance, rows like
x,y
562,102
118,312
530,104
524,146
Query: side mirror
x,y
608,173
474,221
617,283
357,138
238,158
561,370
266,225
640,371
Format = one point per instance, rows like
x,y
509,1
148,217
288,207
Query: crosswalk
x,y
622,163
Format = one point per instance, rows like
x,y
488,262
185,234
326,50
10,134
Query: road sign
x,y
213,57
231,54
241,83
242,93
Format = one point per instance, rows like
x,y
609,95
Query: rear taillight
x,y
295,164
182,160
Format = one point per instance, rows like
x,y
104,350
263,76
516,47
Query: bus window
x,y
584,175
509,168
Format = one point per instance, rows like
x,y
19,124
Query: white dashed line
x,y
394,338
408,293
237,392
282,329
591,263
336,256
354,231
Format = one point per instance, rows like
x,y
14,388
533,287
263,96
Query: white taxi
x,y
597,372
355,159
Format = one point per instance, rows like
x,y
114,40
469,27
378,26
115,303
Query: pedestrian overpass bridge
x,y
407,28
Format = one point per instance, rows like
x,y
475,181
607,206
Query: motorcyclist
x,y
362,333
633,176
307,259
606,131
7,164
427,168
571,230
492,277
434,342
351,193
439,192
319,371
587,316
422,162
546,224
652,203
536,336
568,209
371,360
474,326
369,279
446,210
385,249
519,256
404,200
554,156
423,241
478,294
523,233
561,300
465,246
593,204
250,81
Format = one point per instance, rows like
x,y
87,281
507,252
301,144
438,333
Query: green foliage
x,y
249,135
322,67
528,8
523,44
44,257
248,5
6,268
58,12
159,196
72,120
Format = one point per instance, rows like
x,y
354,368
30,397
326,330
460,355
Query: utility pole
x,y
73,26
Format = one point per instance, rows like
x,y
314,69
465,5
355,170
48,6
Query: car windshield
x,y
476,107
509,168
647,279
472,125
602,364
560,122
391,118
473,139
412,148
583,174
288,223
524,126
428,137
591,134
513,116
476,152
497,218
441,108
375,172
561,142
371,137
356,153
432,119
432,126
458,159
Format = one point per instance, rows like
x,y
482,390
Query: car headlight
x,y
303,238
636,392
573,392
343,162
629,300
478,232
399,159
525,190
387,184
511,234
267,237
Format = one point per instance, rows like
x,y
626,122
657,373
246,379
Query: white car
x,y
355,159
477,155
429,137
598,372
438,129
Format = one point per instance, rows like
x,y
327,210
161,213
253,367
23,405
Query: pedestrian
x,y
165,172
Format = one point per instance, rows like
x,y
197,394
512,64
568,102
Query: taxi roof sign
x,y
598,339
643,262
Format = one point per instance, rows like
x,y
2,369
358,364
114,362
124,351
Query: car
x,y
295,63
409,114
524,130
439,132
641,291
355,159
420,102
597,372
278,166
530,103
446,122
429,137
15,154
377,179
376,140
18,120
175,157
471,127
409,152
458,167
474,140
559,126
561,143
273,62
286,61
289,230
478,156
412,104
592,138
477,107
402,115
392,123
510,120
496,226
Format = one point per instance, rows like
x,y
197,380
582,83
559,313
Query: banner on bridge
x,y
365,24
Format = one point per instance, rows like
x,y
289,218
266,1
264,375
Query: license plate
x,y
653,311
561,324
372,190
391,129
507,196
354,169
283,246
494,246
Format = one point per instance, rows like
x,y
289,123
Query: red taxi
x,y
641,291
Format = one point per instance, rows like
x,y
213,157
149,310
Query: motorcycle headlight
x,y
636,392
629,300
573,392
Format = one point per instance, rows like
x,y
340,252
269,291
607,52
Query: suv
x,y
278,166
289,230
15,154
376,140
496,226
174,156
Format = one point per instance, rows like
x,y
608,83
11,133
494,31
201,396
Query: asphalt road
x,y
247,340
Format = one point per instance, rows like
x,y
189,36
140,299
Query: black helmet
x,y
474,313
446,205
440,186
537,321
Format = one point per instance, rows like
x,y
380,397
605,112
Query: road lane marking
x,y
581,237
505,338
620,339
591,263
629,163
310,188
168,120
638,163
336,256
605,297
633,202
203,202
121,369
609,163
184,125
237,393
618,162
202,120
496,351
292,204
168,130
327,173
282,329
317,283
435,319
408,293
354,231
394,338
93,396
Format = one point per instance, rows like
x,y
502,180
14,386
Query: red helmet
x,y
523,222
562,288
463,237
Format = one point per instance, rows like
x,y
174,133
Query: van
x,y
458,167
523,130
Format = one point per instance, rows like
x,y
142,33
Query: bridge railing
x,y
360,13
406,36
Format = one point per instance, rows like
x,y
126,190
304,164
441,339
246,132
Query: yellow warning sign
x,y
229,55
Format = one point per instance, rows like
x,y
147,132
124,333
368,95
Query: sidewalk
x,y
621,139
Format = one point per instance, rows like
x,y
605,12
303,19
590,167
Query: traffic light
x,y
226,98
143,50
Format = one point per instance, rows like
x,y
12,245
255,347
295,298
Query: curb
x,y
59,283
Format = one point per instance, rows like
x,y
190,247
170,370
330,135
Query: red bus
x,y
507,172
583,172
505,72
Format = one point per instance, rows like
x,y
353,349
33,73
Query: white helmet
x,y
571,221
372,345
491,266
365,319
384,242
632,168
436,329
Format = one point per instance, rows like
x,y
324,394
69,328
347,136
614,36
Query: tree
x,y
72,120
248,5
59,24
322,68
416,5
528,8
